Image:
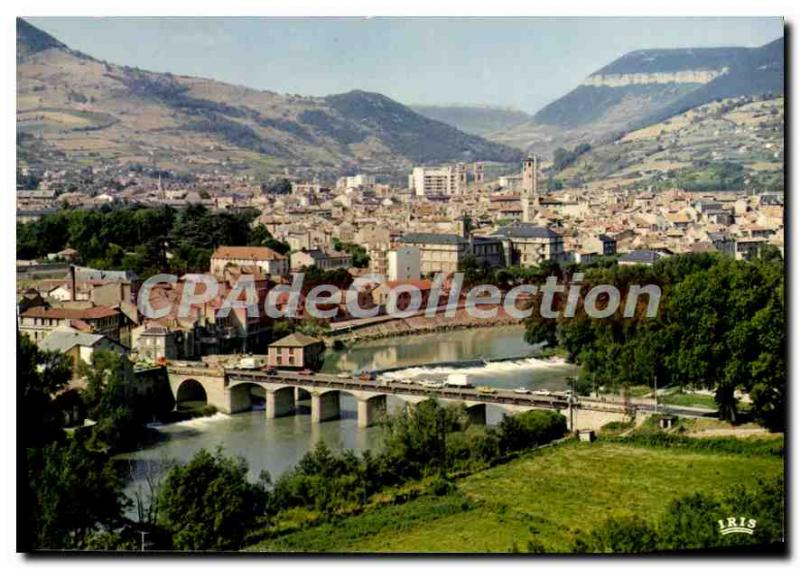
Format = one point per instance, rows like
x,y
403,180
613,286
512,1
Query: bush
x,y
209,504
530,429
691,522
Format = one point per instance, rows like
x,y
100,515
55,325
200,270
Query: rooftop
x,y
63,339
526,230
252,253
70,313
296,340
433,238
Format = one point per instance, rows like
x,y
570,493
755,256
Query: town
x,y
258,321
447,217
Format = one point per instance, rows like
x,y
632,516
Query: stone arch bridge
x,y
231,391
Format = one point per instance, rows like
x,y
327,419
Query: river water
x,y
276,445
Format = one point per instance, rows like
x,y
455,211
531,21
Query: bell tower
x,y
530,190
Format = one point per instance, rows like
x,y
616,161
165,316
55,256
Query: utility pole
x,y
655,393
143,533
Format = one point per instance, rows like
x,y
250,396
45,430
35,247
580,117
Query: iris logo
x,y
737,525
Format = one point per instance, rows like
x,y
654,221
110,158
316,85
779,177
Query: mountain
x,y
733,143
73,109
480,120
647,86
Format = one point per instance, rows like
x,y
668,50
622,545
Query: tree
x,y
209,504
71,493
40,376
261,237
720,325
120,403
324,481
356,251
281,186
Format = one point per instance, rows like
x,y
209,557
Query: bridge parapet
x,y
221,386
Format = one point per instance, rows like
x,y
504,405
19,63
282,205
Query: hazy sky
x,y
519,62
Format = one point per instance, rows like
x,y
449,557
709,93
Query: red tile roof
x,y
251,253
70,313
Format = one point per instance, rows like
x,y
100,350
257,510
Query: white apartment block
x,y
357,181
437,182
403,264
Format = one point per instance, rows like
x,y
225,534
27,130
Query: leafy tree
x,y
71,493
529,429
324,481
619,535
40,376
209,504
358,252
119,406
261,237
720,325
415,442
281,186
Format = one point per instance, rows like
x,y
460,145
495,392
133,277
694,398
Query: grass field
x,y
544,498
688,399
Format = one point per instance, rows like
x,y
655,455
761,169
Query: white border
x,y
605,8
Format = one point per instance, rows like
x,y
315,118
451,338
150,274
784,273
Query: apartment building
x,y
321,259
444,252
439,252
264,259
438,182
528,245
37,322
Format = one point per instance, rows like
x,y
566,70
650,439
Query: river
x,y
277,445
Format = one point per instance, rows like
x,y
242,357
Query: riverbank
x,y
421,324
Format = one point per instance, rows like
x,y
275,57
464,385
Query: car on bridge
x,y
486,389
305,371
522,390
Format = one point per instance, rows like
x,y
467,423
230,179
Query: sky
x,y
523,63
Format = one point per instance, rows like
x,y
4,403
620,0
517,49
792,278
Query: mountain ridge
x,y
647,86
73,108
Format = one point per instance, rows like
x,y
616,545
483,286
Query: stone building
x,y
296,351
264,259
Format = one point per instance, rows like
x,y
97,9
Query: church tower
x,y
530,190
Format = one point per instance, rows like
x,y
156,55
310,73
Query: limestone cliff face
x,y
697,76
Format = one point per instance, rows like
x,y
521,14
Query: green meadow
x,y
540,501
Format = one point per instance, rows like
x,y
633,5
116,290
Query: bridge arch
x,y
245,396
190,393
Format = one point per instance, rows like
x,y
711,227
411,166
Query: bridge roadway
x,y
229,391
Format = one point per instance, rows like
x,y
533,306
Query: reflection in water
x,y
276,445
498,342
